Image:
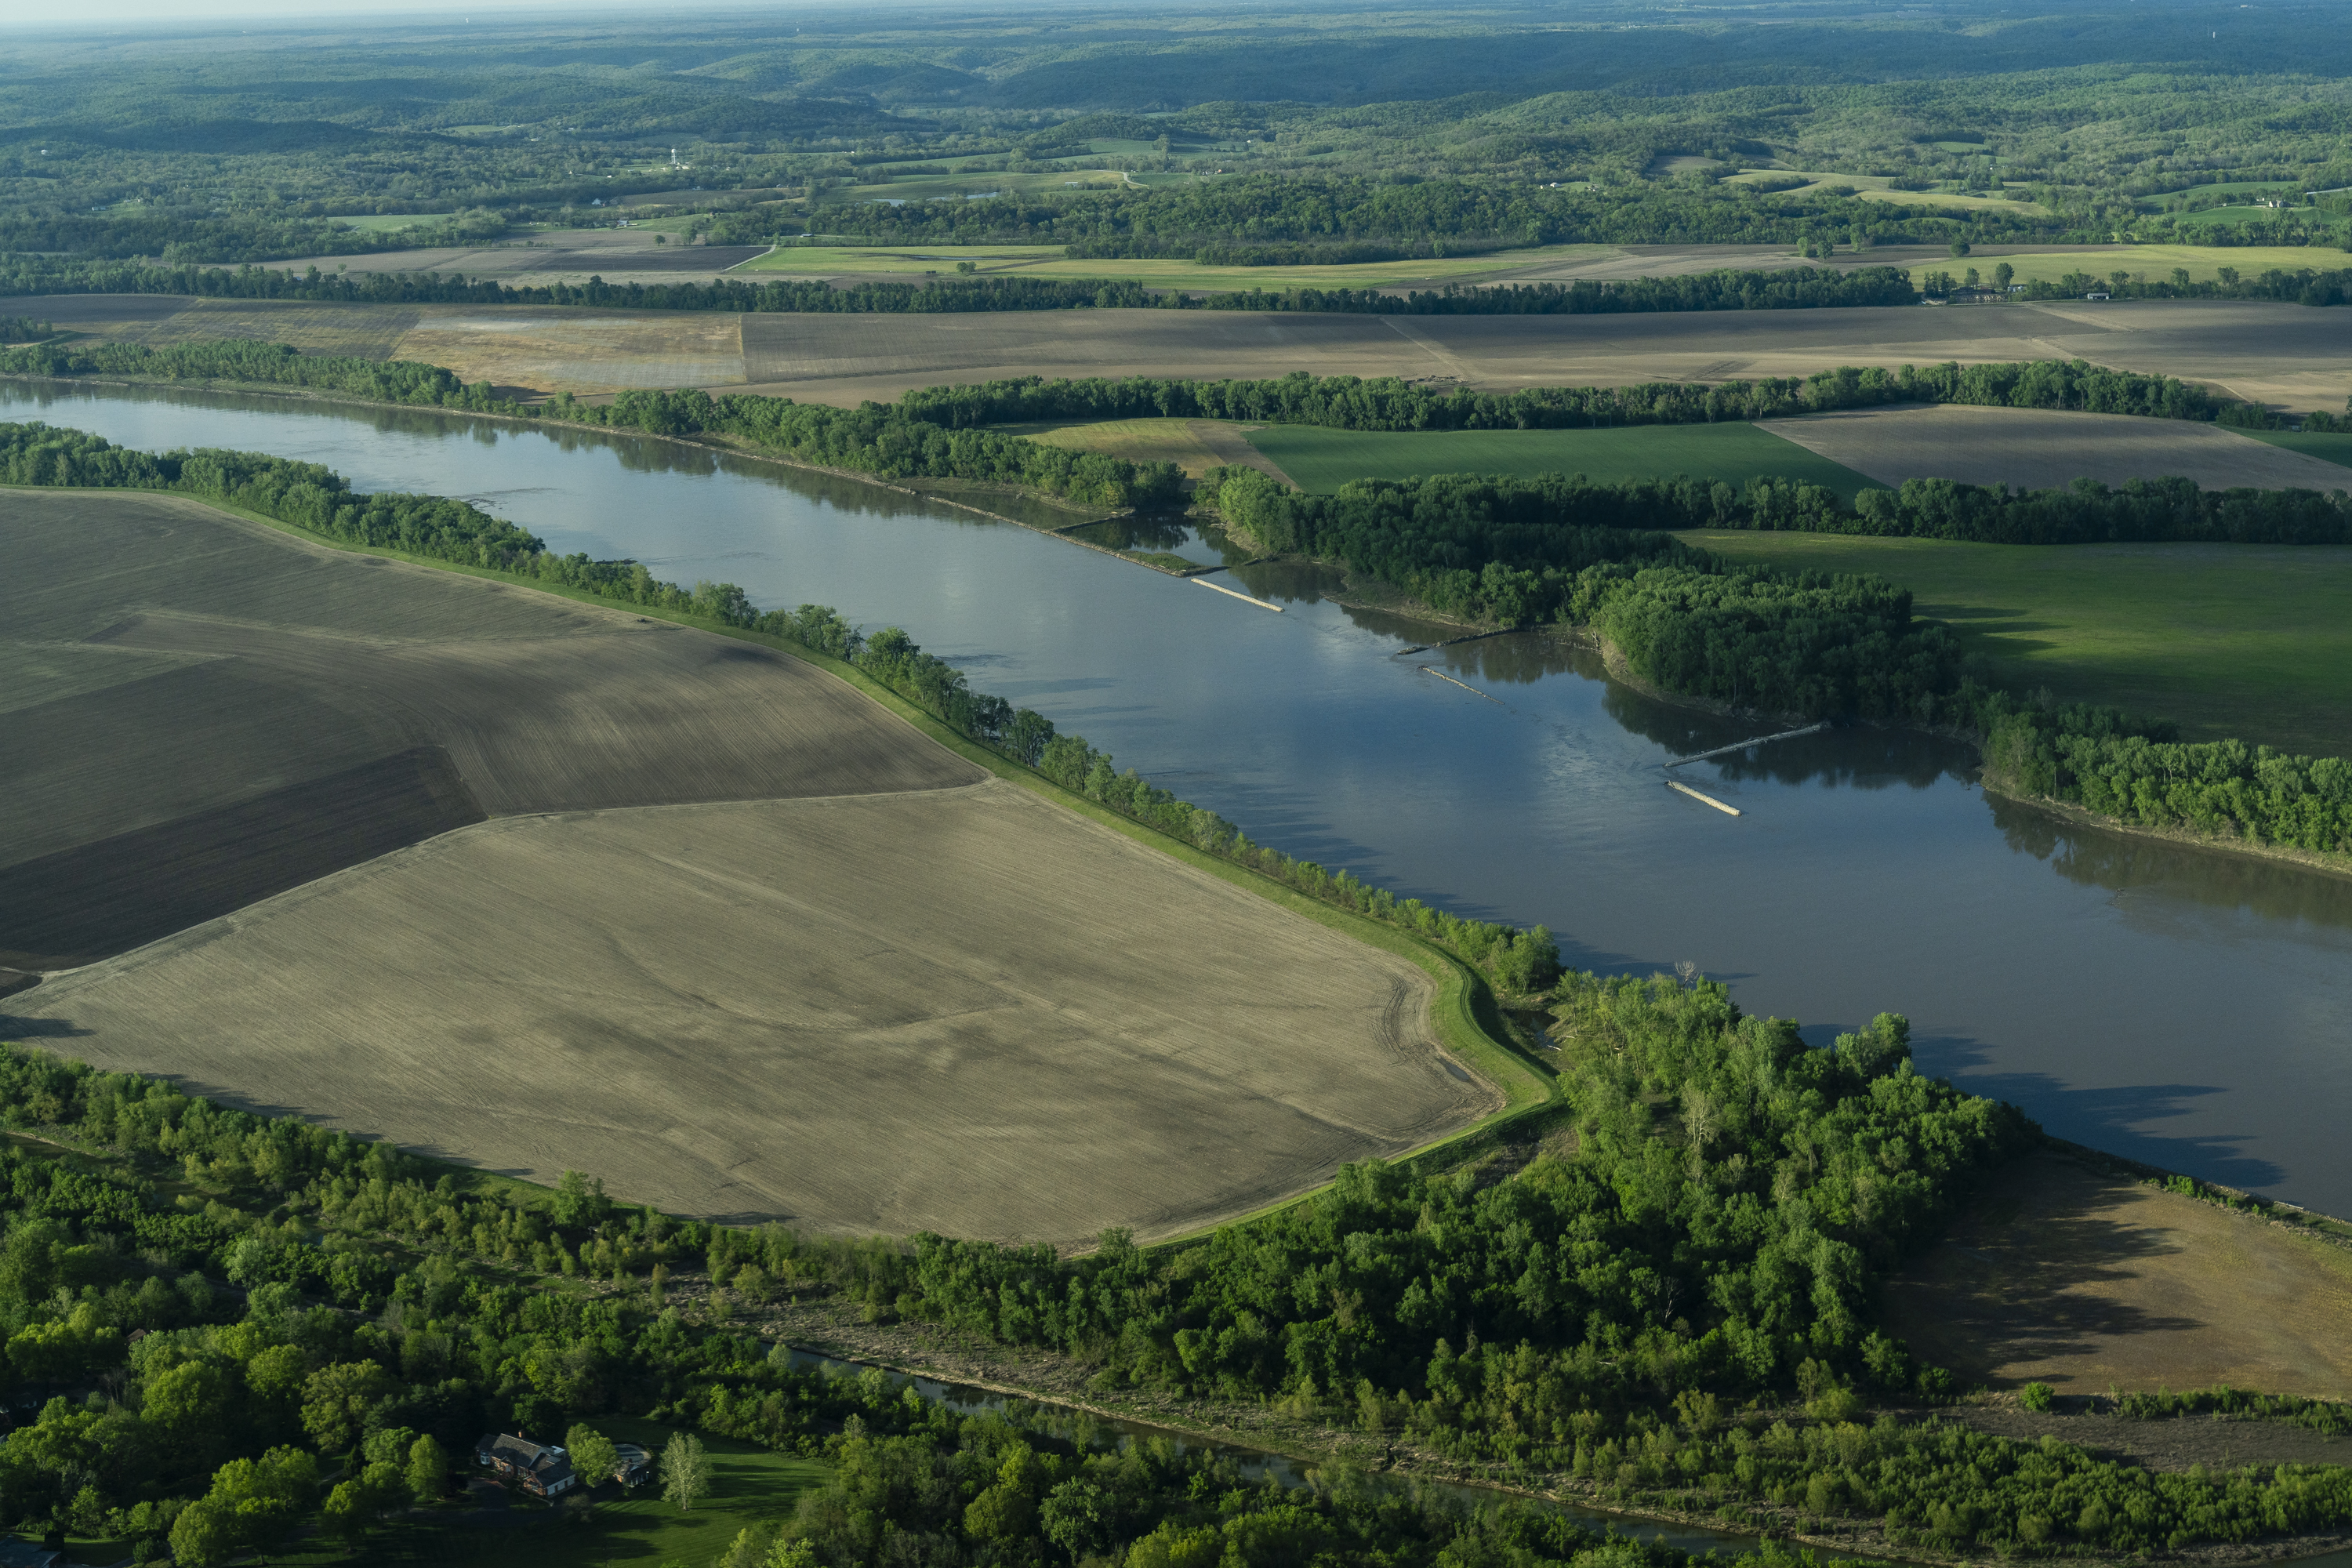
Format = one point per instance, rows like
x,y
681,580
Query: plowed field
x,y
2064,1275
540,886
2040,448
965,1010
226,707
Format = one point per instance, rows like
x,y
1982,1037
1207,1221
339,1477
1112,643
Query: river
x,y
2182,1006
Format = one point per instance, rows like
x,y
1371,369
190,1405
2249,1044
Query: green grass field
x,y
1323,460
750,1485
2242,640
2327,449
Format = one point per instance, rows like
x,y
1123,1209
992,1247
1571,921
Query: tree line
x,y
1387,403
1791,288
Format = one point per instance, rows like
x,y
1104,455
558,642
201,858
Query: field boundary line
x,y
1459,1006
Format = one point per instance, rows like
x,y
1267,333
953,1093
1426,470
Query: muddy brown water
x,y
2182,1006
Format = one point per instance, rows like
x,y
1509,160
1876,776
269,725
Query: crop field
x,y
882,1013
1187,443
2283,354
511,346
2037,449
634,899
2155,263
2064,1275
1320,460
1161,272
535,255
2246,640
580,351
321,710
2328,448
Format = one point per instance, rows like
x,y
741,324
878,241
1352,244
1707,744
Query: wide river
x,y
2188,1008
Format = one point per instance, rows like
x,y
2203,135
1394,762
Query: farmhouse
x,y
542,1469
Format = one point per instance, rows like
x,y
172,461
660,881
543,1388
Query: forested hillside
x,y
1257,137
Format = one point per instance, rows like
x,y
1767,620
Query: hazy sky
x,y
86,14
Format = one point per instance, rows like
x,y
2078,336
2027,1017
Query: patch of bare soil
x,y
965,1011
293,690
2283,354
2039,448
2092,1282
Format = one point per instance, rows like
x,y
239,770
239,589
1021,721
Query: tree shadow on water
x,y
2113,1118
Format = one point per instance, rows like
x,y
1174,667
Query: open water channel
x,y
2186,1007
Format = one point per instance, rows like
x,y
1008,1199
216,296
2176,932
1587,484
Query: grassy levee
x,y
1460,1006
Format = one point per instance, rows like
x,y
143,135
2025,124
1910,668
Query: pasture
x,y
965,1010
2065,1275
1880,187
1320,460
2037,449
533,885
2244,640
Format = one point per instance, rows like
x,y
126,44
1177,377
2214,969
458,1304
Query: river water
x,y
2185,1008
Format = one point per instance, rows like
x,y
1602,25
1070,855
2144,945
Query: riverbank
x,y
1364,595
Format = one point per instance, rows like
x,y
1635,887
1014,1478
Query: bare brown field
x,y
558,256
2088,1282
2039,447
2283,354
580,351
963,1010
1193,445
266,668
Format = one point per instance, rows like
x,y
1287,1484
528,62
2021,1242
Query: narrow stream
x,y
2186,1007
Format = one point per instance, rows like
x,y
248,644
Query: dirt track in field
x,y
2069,1276
227,706
2038,448
966,1010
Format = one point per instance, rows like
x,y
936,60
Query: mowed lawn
x,y
2246,640
749,1485
1322,460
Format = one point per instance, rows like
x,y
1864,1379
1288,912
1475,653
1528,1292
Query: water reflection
x,y
2134,864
